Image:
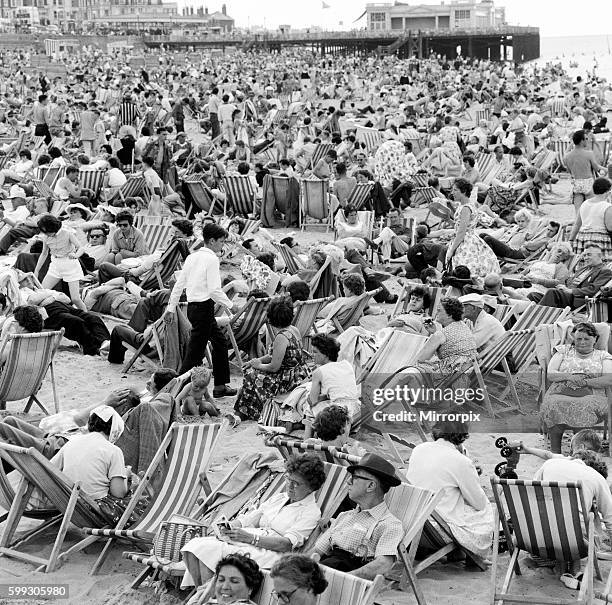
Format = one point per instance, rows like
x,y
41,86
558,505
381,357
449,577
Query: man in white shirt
x,y
485,328
19,169
226,111
200,278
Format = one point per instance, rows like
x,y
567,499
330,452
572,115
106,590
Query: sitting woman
x,y
282,523
448,348
504,195
298,579
544,274
333,381
280,371
352,233
579,374
442,466
415,313
237,579
95,461
332,427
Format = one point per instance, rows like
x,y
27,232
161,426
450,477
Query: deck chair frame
x,y
240,195
314,203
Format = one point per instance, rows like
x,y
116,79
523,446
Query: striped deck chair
x,y
423,196
413,506
371,139
65,496
279,117
319,153
305,313
543,519
133,187
156,235
292,262
240,194
243,328
92,179
325,282
347,318
50,175
488,167
420,180
605,151
163,270
482,114
561,149
314,203
558,108
360,195
28,358
43,189
288,448
183,457
202,196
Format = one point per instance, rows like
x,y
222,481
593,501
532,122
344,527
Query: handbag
x,y
174,534
568,391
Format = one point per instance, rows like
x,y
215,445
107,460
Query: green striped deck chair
x,y
163,269
292,447
201,195
314,203
240,194
319,153
546,522
156,234
347,318
413,506
435,296
342,588
371,139
65,496
28,358
243,328
183,458
292,262
360,195
92,179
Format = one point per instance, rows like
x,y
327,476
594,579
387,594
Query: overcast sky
x,y
554,17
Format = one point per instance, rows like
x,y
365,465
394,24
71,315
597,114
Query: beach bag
x,y
173,535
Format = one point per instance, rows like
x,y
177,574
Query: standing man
x,y
88,133
213,112
201,280
226,117
40,117
581,164
178,114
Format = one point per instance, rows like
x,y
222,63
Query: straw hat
x,y
83,209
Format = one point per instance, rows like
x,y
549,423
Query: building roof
x,y
219,16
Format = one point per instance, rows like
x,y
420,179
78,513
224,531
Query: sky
x,y
554,17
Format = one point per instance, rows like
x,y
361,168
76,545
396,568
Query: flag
x,y
324,5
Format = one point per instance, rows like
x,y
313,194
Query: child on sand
x,y
195,398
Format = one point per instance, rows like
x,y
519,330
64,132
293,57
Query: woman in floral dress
x,y
467,247
280,371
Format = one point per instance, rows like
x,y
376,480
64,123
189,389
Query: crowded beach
x,y
278,328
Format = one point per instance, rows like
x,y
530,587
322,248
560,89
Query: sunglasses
x,y
123,225
96,235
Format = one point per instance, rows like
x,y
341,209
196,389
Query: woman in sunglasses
x,y
297,580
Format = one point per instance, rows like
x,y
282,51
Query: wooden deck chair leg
x,y
141,577
483,386
101,558
79,546
392,449
18,506
38,530
235,347
414,584
511,383
160,282
34,399
139,351
54,387
61,534
495,554
512,566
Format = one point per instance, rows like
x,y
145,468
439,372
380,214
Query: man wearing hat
x,y
485,328
364,541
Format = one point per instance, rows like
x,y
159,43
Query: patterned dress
x,y
473,252
260,387
588,407
391,163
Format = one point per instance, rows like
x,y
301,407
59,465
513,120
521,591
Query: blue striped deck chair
x,y
545,519
319,153
360,195
92,179
243,328
156,234
314,203
292,262
372,139
240,194
203,199
65,496
183,459
28,359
